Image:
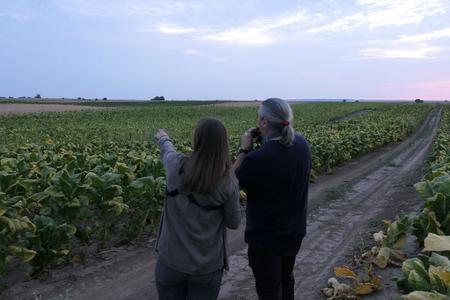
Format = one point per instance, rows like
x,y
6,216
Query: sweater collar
x,y
271,137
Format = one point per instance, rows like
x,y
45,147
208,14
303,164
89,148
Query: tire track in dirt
x,y
333,225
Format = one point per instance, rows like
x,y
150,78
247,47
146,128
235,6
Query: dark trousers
x,y
272,269
174,285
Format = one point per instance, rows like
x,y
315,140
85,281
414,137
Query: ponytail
x,y
287,135
278,114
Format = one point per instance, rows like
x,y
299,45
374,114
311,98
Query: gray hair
x,y
277,111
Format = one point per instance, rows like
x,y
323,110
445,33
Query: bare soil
x,y
247,103
344,209
350,116
7,108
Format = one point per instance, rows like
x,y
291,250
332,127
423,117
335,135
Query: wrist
x,y
243,150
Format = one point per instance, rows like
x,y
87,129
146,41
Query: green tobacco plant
x,y
50,241
389,243
435,217
429,274
13,229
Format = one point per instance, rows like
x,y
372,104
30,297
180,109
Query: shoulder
x,y
176,162
301,140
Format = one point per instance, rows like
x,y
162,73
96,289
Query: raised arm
x,y
168,152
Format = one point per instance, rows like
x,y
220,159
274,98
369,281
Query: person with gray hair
x,y
276,178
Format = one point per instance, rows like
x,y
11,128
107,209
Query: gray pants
x,y
174,285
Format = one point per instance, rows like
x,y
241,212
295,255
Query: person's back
x,y
202,199
276,192
276,178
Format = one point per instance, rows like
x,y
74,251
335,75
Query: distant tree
x,y
11,97
104,99
446,100
418,101
344,100
357,101
79,98
158,98
38,96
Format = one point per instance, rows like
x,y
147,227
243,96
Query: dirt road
x,y
341,209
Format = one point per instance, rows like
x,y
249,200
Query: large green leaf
x,y
414,264
425,189
418,282
53,191
439,260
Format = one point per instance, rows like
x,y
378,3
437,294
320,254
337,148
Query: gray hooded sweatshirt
x,y
192,239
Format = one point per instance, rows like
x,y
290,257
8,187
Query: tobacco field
x,y
94,177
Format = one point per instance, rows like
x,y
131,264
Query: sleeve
x,y
232,209
247,172
169,156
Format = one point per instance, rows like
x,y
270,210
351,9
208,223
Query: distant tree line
x,y
158,98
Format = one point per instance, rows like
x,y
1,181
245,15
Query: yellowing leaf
x,y
63,252
400,242
434,242
365,289
376,280
382,258
2,211
420,295
328,292
441,273
49,141
242,196
345,272
27,255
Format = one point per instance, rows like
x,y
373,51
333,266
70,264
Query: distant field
x,y
10,108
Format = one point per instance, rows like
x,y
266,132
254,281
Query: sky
x,y
226,49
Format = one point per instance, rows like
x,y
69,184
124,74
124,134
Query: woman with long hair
x,y
202,200
276,178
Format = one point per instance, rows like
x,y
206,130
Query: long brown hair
x,y
210,161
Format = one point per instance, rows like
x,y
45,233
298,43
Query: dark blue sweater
x,y
276,179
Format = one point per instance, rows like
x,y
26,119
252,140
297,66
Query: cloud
x,y
386,13
194,52
262,31
429,36
258,31
418,52
121,8
173,29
